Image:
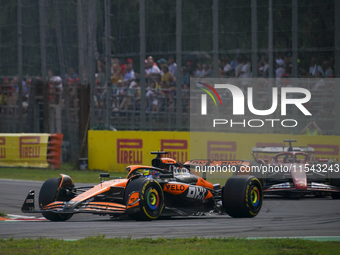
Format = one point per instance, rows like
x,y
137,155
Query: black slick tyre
x,y
242,196
48,194
151,199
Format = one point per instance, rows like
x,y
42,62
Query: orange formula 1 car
x,y
167,188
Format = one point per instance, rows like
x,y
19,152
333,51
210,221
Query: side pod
x,y
28,205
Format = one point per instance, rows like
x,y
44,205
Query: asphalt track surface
x,y
279,217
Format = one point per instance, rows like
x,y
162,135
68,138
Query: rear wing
x,y
209,162
279,149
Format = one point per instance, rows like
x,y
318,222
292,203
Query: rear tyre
x,y
334,174
49,194
151,198
242,196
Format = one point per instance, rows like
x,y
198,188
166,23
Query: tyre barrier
x,y
54,150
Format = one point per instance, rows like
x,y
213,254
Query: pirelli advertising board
x,y
26,150
115,150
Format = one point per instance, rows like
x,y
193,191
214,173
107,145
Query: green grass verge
x,y
42,174
3,214
102,245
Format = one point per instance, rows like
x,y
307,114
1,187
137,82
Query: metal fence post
x,y
179,109
19,25
295,38
91,62
254,48
81,39
142,60
215,37
108,60
254,37
59,39
270,40
42,23
337,63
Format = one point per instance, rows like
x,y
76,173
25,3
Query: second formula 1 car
x,y
166,188
291,171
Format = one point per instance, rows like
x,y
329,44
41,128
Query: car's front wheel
x,y
151,199
242,196
49,194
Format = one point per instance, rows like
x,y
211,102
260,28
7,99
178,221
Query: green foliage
x,y
102,245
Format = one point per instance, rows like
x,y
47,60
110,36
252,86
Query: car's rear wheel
x,y
151,199
242,196
49,194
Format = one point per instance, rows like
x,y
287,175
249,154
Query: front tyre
x,y
151,198
49,194
242,196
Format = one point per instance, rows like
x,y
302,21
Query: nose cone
x,y
299,176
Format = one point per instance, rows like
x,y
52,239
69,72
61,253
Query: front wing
x,y
76,207
313,187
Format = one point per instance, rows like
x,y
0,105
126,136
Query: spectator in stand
x,y
118,96
186,98
125,95
3,94
279,68
207,71
287,59
263,66
315,68
239,66
172,65
49,74
199,70
167,77
129,74
161,62
227,69
56,88
72,74
190,68
100,75
245,71
152,68
235,62
320,85
151,96
288,72
123,65
116,74
172,98
185,76
328,69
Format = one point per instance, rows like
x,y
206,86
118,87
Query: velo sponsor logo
x,y
238,105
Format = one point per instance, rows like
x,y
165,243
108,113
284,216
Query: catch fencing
x,y
81,40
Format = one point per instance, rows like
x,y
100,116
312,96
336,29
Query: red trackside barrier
x,y
54,150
